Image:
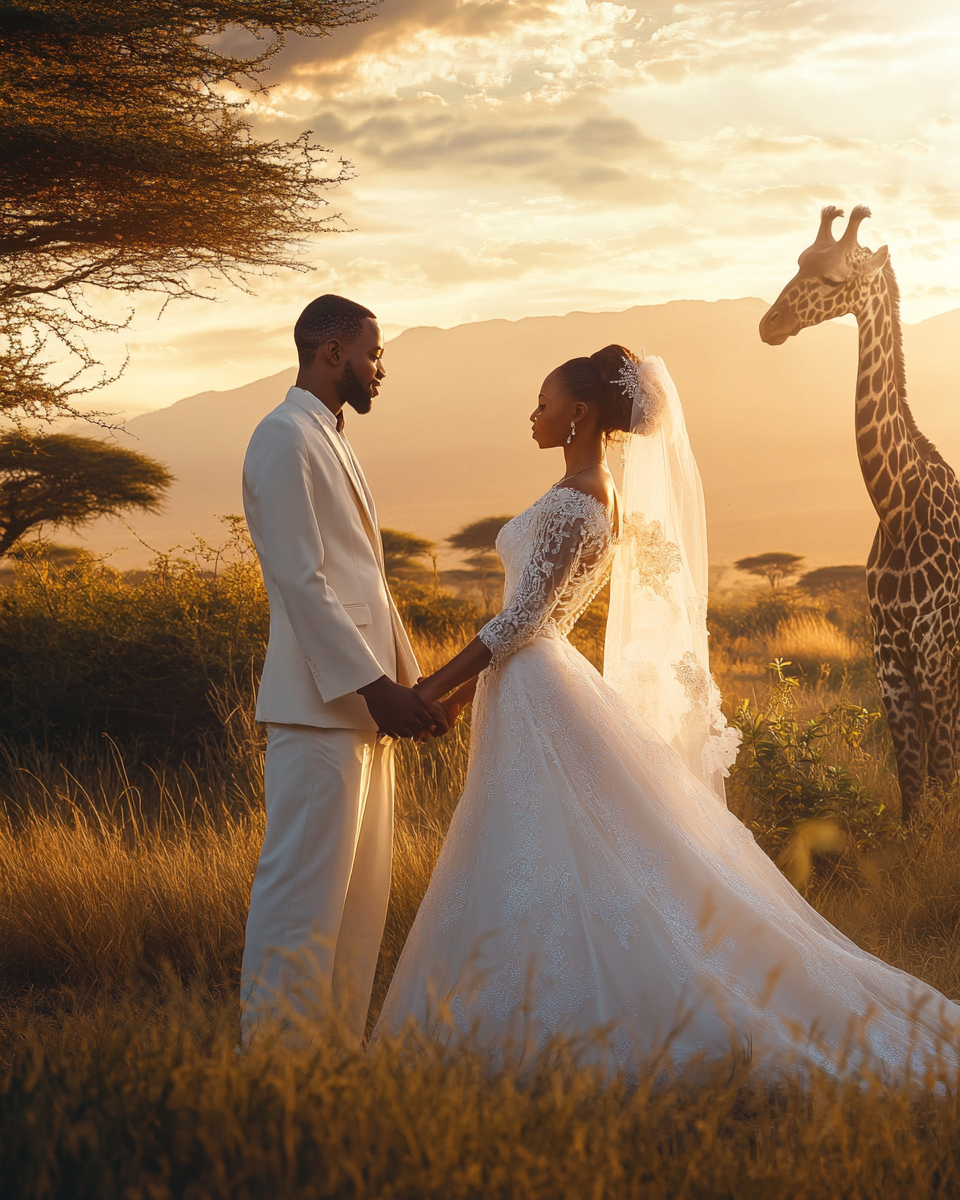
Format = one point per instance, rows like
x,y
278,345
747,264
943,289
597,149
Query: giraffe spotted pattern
x,y
913,569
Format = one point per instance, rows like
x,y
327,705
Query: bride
x,y
593,880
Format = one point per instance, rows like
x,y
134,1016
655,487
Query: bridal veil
x,y
656,654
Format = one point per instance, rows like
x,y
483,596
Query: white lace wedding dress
x,y
590,880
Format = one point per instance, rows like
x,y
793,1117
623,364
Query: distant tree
x,y
825,580
774,566
401,549
62,479
479,536
479,539
128,167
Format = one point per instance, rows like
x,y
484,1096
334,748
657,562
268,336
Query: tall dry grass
x,y
97,902
106,886
106,874
154,1104
904,904
144,1103
123,895
811,637
92,902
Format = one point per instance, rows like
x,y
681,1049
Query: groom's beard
x,y
351,391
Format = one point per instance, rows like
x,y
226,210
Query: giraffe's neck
x,y
889,456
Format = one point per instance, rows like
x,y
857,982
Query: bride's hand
x,y
445,719
452,706
451,710
427,693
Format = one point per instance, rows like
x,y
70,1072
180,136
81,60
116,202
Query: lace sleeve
x,y
562,547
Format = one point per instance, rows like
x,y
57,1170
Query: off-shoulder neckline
x,y
565,487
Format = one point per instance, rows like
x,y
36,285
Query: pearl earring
x,y
573,432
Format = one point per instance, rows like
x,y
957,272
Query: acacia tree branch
x,y
126,170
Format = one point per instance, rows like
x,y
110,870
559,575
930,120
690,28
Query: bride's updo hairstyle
x,y
597,381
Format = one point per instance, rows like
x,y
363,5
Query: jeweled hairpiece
x,y
643,392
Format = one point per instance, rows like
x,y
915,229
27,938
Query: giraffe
x,y
913,569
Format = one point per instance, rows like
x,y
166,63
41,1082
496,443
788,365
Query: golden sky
x,y
520,157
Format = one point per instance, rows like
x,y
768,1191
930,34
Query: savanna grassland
x,y
131,818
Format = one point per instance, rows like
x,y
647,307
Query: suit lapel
x,y
408,669
359,481
360,494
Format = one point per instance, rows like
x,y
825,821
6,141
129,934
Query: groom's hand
x,y
399,711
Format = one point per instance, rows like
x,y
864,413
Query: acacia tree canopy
x,y
400,548
479,537
774,566
825,580
126,167
62,479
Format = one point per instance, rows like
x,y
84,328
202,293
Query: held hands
x,y
451,710
433,703
421,711
402,712
431,691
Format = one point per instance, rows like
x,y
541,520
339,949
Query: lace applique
x,y
565,567
721,749
703,698
695,682
654,558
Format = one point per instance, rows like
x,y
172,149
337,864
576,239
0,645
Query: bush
x,y
791,771
727,622
169,657
85,651
436,615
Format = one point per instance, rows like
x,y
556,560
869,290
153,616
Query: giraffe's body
x,y
913,570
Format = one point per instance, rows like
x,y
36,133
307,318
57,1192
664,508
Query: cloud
x,y
754,140
543,45
518,157
460,47
942,125
576,147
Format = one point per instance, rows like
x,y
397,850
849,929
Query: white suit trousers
x,y
323,879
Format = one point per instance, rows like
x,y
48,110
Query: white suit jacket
x,y
333,624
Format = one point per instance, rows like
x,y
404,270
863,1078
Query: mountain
x,y
449,439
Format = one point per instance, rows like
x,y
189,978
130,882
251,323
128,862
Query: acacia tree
x,y
827,580
127,169
401,550
479,539
774,567
62,479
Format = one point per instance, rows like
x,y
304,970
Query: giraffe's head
x,y
834,279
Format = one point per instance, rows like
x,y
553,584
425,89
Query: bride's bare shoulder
x,y
597,484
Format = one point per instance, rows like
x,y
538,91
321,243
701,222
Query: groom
x,y
337,677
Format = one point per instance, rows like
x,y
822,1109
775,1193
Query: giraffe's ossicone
x,y
913,569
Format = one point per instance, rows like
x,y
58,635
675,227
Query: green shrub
x,y
436,615
792,770
727,622
167,658
85,651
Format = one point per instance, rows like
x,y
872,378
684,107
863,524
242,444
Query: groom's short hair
x,y
325,318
